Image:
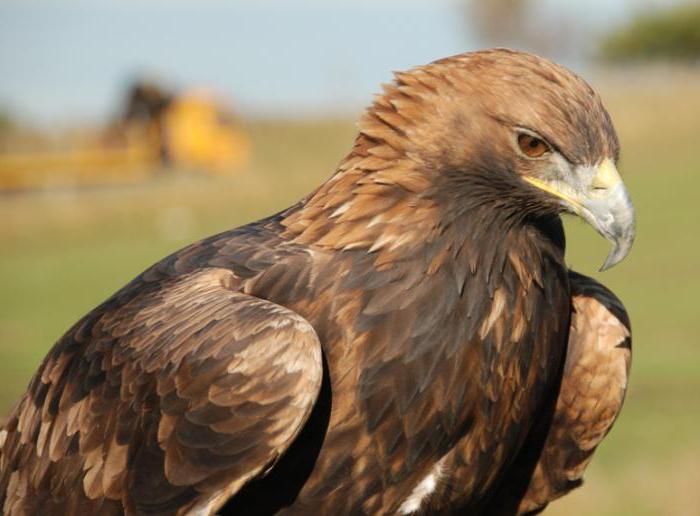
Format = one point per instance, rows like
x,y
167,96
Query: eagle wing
x,y
168,398
592,392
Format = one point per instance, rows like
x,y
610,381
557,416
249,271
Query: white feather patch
x,y
423,490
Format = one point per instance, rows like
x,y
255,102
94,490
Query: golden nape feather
x,y
406,339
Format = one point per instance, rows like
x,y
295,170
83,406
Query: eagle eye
x,y
532,146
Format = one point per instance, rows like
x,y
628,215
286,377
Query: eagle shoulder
x,y
169,400
593,388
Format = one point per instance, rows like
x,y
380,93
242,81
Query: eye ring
x,y
532,146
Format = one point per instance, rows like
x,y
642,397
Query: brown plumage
x,y
395,342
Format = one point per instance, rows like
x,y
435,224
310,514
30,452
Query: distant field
x,y
62,252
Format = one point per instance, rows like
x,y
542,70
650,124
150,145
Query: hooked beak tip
x,y
620,231
621,248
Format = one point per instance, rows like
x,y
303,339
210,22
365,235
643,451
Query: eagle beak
x,y
600,198
608,208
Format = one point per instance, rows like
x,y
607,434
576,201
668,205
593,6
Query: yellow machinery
x,y
202,137
191,131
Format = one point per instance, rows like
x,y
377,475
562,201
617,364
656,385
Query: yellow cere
x,y
607,175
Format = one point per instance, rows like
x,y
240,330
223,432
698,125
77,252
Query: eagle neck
x,y
375,201
384,200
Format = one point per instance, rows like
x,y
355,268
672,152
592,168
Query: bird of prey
x,y
405,339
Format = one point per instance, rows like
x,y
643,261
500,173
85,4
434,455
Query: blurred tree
x,y
530,25
498,20
672,34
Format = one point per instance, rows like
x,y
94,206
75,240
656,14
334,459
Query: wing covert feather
x,y
593,389
165,403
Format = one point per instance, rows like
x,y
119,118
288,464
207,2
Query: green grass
x,y
63,252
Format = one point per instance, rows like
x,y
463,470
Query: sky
x,y
70,61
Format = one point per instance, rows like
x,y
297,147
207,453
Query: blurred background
x,y
129,129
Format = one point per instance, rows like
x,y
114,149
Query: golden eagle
x,y
405,339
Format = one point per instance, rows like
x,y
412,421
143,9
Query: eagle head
x,y
500,129
557,136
